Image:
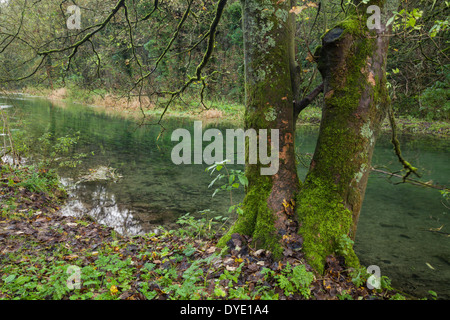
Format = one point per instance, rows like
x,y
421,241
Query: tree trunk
x,y
352,61
270,87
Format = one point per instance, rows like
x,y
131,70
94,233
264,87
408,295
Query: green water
x,y
392,231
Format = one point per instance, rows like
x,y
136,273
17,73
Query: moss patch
x,y
324,219
258,220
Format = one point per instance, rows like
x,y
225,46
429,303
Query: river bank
x,y
223,111
46,255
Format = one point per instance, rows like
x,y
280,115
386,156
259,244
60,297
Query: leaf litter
x,y
169,265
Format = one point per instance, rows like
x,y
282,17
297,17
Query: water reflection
x,y
96,201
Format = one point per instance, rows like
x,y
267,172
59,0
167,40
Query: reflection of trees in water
x,y
95,200
141,203
129,212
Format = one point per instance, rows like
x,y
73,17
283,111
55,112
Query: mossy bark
x,y
352,61
270,88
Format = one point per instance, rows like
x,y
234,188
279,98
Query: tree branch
x,y
100,26
209,50
302,104
406,165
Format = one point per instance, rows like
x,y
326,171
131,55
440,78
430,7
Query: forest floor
x,y
45,255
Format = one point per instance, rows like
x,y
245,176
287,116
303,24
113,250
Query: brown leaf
x,y
297,9
211,250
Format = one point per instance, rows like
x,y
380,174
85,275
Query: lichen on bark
x,y
268,41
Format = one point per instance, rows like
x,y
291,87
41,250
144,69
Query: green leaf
x,y
189,251
22,279
391,19
235,185
215,179
219,292
243,180
215,191
10,278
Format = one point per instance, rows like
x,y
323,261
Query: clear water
x,y
392,231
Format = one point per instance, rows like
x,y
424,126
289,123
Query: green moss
x,y
258,220
324,220
352,25
330,193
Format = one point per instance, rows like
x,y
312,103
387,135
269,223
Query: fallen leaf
x,y
211,250
297,9
310,57
229,268
257,253
71,257
113,290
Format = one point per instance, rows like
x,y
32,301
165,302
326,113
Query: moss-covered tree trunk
x,y
270,87
352,61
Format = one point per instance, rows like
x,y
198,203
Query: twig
x,y
412,181
406,165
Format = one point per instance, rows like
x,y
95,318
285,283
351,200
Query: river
x,y
393,230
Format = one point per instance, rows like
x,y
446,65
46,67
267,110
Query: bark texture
x,y
352,61
271,87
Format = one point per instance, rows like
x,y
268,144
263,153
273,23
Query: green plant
x,y
344,296
406,20
433,294
59,152
345,245
359,276
205,226
32,178
231,275
293,279
234,178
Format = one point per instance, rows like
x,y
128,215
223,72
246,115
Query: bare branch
x,y
299,106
